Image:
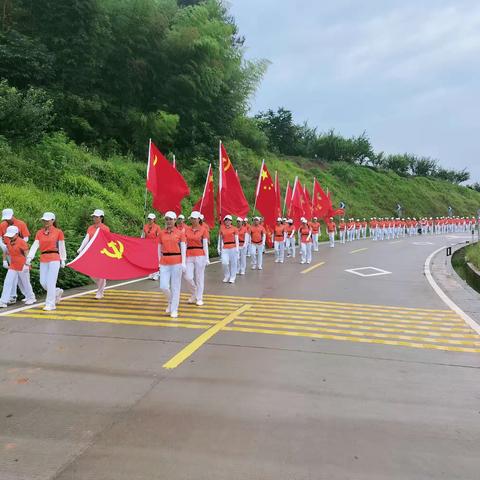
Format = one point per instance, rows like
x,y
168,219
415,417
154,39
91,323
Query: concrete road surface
x,y
296,372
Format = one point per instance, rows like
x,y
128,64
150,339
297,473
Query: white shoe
x,y
199,303
12,301
191,299
231,280
49,308
309,261
24,300
58,295
31,301
260,268
225,280
167,310
254,268
302,262
3,305
99,296
174,314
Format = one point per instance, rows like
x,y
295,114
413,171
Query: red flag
x,y
117,257
205,204
288,199
266,198
167,185
297,204
308,203
322,203
231,199
278,197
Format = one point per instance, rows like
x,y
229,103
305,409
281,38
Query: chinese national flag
x,y
266,198
297,210
206,203
167,185
231,199
278,197
288,198
308,203
322,203
117,257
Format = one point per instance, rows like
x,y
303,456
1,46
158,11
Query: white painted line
x,y
378,271
449,302
423,243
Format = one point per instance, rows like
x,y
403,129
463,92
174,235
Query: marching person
x,y
315,226
305,240
258,236
173,261
358,229
8,219
364,229
343,230
197,257
98,217
180,223
243,244
249,231
18,272
331,230
228,249
279,236
51,242
290,238
152,231
350,230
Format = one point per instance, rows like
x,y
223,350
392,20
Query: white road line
x,y
448,301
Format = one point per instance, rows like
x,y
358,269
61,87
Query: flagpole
x,y
174,162
285,200
219,193
313,194
258,186
148,168
293,193
205,187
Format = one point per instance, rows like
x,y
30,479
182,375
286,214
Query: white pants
x,y
315,241
342,236
171,283
101,284
242,259
290,246
331,237
195,275
350,235
12,278
279,251
229,263
306,252
48,280
257,256
14,285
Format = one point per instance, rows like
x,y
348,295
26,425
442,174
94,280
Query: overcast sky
x,y
406,72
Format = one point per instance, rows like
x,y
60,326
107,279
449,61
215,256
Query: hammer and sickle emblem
x,y
226,163
155,160
116,250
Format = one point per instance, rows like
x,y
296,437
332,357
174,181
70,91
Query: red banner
x,y
206,203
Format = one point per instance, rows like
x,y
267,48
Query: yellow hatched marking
x,y
353,339
204,337
313,267
359,250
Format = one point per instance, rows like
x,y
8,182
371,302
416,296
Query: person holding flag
x,y
278,237
173,261
98,217
305,240
197,257
228,249
258,238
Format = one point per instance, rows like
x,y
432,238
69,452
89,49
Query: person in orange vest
x,y
17,250
173,262
305,240
364,229
151,231
258,236
278,237
51,242
331,230
197,258
180,223
8,219
342,227
98,218
228,249
315,226
243,245
372,228
290,241
350,230
249,227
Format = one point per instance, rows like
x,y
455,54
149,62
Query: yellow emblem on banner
x,y
117,249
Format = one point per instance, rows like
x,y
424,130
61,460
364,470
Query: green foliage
x,y
472,255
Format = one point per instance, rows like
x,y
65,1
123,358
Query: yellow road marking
x,y
353,339
191,348
359,250
313,267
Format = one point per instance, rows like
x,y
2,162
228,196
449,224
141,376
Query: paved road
x,y
323,374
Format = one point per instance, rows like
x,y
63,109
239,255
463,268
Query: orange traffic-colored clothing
x,y
228,236
257,232
331,227
279,232
22,228
170,242
48,243
17,251
304,233
290,229
242,231
93,228
315,226
195,237
151,231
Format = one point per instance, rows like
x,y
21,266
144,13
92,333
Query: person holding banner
x,y
98,217
173,261
305,240
51,242
228,249
197,257
258,239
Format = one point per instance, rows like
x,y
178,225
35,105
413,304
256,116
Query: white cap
x,y
315,218
11,231
256,218
181,217
284,219
7,214
196,215
304,220
171,215
48,216
290,220
227,217
279,219
98,213
151,216
245,219
202,216
239,219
